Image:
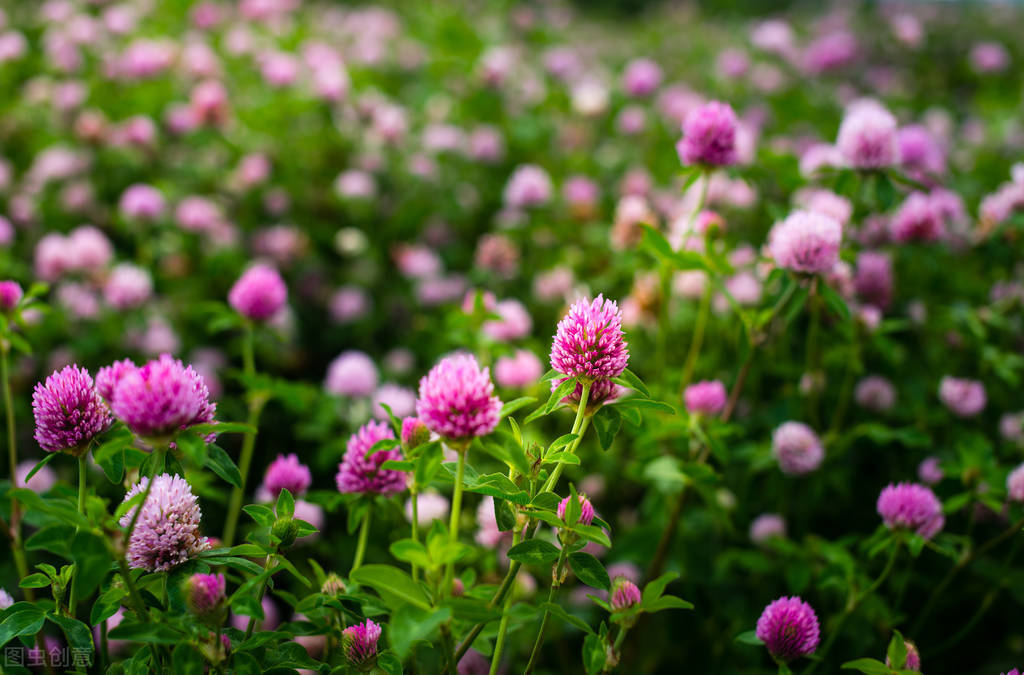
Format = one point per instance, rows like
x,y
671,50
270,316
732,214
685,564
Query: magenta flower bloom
x,y
287,473
641,77
797,448
917,219
204,594
709,136
10,295
586,510
910,506
167,531
589,341
705,398
359,473
867,136
965,398
360,642
1015,484
68,410
789,629
259,293
873,279
806,242
161,398
457,400
625,594
107,377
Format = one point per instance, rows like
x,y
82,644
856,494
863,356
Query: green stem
x,y
414,499
263,590
547,615
698,336
578,428
82,484
616,647
851,606
20,561
256,403
453,523
499,644
364,533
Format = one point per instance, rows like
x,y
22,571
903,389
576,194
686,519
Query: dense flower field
x,y
511,337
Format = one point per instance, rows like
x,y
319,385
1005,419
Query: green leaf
x,y
533,551
654,589
411,551
77,633
285,504
515,405
644,404
868,667
562,458
630,379
53,538
37,580
607,422
155,633
558,611
395,587
560,392
187,660
222,428
381,445
749,638
50,456
498,485
897,651
503,515
409,624
835,302
263,515
589,570
389,663
667,602
21,618
92,562
595,654
220,463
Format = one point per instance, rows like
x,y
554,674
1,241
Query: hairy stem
x,y
555,583
256,403
364,533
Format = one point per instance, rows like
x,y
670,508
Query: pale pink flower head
x,y
197,214
529,186
806,242
259,294
10,295
515,322
642,77
401,400
705,398
709,136
518,371
766,527
1011,426
796,448
789,629
929,471
355,184
831,51
875,393
964,397
589,342
90,249
128,286
40,483
359,643
361,474
1015,484
921,153
167,530
867,136
989,57
287,473
209,101
68,411
352,374
456,399
141,202
586,509
161,398
910,506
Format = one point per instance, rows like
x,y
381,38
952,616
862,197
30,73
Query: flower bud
x,y
625,594
204,596
586,510
333,585
285,529
359,643
414,433
10,295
